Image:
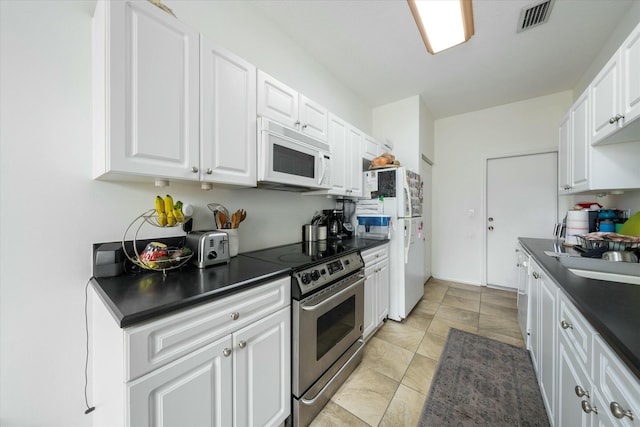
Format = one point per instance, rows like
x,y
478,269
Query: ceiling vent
x,y
534,15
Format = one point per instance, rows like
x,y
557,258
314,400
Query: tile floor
x,y
391,384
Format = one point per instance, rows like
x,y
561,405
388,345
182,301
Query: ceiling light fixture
x,y
443,23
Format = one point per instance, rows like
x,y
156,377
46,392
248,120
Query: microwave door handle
x,y
321,157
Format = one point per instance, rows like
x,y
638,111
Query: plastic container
x,y
374,226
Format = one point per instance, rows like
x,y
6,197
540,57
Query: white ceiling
x,y
374,48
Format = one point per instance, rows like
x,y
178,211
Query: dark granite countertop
x,y
133,298
612,308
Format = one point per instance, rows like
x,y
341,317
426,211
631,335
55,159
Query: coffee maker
x,y
334,223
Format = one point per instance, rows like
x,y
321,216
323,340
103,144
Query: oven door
x,y
325,325
290,158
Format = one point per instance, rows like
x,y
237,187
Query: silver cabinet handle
x,y
235,315
226,352
586,407
194,169
242,344
580,392
615,118
618,412
304,126
566,325
297,123
535,275
209,171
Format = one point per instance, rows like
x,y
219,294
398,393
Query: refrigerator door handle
x,y
408,206
407,240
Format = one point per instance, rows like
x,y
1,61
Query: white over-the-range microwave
x,y
291,160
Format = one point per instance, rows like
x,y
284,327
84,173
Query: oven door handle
x,y
313,400
314,307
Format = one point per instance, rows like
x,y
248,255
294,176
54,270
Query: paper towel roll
x,y
577,224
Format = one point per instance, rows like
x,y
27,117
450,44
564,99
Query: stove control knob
x,y
315,275
212,255
305,278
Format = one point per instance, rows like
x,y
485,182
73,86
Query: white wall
x,y
51,210
462,143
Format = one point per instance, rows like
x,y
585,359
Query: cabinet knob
x,y
580,392
194,169
615,118
618,412
566,325
242,344
235,315
304,126
226,352
535,275
209,171
586,407
491,228
297,123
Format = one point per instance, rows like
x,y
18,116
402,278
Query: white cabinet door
x,y
354,167
228,100
339,151
631,76
262,371
571,375
605,100
277,100
313,118
547,341
371,148
370,321
564,155
194,391
534,338
382,290
146,94
580,143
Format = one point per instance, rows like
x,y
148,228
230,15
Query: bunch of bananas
x,y
168,213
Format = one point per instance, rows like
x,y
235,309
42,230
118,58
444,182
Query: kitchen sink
x,y
624,272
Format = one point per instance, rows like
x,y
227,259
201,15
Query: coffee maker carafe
x,y
334,222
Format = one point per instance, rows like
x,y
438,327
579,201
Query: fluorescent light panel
x,y
443,23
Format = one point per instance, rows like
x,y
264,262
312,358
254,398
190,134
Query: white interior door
x,y
522,201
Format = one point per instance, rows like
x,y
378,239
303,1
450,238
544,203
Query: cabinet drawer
x,y
576,330
616,383
375,254
159,342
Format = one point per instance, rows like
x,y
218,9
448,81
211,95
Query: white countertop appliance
x,y
291,160
397,192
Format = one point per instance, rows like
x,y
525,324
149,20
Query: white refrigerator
x,y
397,192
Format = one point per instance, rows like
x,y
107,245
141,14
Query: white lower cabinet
x,y
582,381
376,288
225,363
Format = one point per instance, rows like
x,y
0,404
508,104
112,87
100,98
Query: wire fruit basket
x,y
611,241
156,256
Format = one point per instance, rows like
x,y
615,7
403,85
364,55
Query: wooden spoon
x,y
222,220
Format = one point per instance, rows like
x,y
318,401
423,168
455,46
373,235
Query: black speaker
x,y
108,260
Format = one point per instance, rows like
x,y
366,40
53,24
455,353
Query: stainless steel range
x,y
327,317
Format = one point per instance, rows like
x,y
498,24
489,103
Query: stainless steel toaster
x,y
209,247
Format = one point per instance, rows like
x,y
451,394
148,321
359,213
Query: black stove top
x,y
304,254
315,265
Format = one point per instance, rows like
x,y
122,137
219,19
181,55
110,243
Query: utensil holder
x,y
234,243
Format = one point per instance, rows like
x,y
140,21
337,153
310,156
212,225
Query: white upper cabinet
x,y
630,53
564,155
579,143
313,118
370,148
338,140
145,92
228,117
615,96
283,104
169,104
354,165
